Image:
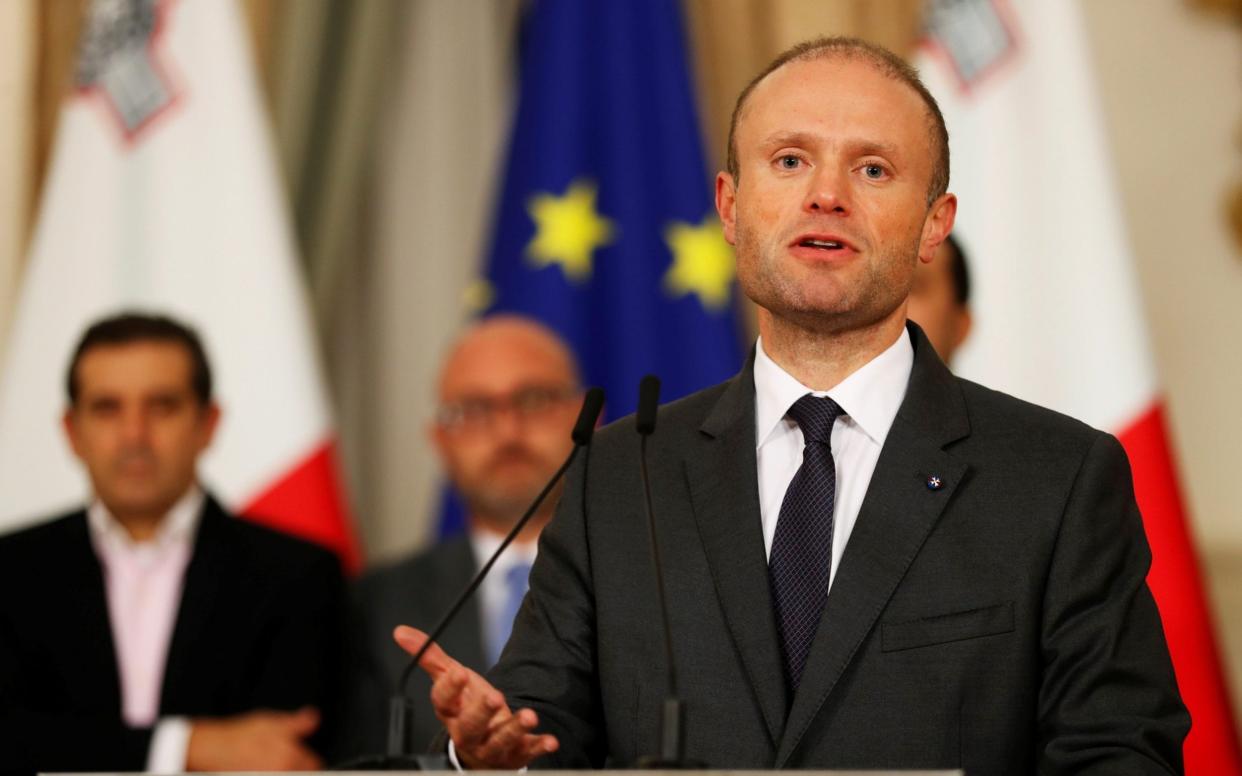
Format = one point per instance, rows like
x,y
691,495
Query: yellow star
x,y
702,262
478,296
568,230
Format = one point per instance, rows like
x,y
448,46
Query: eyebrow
x,y
858,147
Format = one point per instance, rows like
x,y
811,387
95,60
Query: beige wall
x,y
17,61
1172,93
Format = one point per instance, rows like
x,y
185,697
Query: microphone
x,y
672,754
400,755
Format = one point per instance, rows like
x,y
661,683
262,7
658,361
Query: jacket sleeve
x,y
1108,700
549,664
303,663
34,738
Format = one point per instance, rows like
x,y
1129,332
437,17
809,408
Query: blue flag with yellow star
x,y
606,229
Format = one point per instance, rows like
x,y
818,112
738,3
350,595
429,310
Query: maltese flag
x,y
1058,317
163,196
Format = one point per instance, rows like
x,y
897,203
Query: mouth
x,y
822,246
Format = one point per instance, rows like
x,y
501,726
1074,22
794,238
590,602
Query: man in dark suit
x,y
508,394
152,629
870,563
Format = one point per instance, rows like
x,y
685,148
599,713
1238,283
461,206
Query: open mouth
x,y
828,245
825,245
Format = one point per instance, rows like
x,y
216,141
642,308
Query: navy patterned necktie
x,y
801,556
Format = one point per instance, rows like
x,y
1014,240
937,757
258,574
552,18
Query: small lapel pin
x,y
934,483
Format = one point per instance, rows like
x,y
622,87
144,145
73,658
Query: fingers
x,y
510,743
303,722
467,705
447,691
484,731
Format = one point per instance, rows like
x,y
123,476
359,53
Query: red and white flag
x,y
1058,317
163,195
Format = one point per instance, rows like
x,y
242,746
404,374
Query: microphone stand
x,y
401,708
672,755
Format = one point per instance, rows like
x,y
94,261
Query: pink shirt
x,y
143,582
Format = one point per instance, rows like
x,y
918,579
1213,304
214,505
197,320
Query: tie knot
x,y
815,416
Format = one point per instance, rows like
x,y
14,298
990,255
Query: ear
x,y
208,422
726,205
71,431
937,225
438,438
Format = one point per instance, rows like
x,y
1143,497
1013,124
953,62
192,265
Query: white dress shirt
x,y
870,398
142,583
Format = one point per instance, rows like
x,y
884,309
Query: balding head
x,y
885,62
508,397
506,348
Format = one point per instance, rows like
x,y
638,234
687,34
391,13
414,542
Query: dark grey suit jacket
x,y
416,591
1000,623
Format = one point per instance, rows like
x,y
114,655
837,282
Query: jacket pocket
x,y
943,628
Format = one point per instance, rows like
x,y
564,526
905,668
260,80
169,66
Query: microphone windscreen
x,y
591,407
648,402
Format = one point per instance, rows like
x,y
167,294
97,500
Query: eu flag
x,y
605,228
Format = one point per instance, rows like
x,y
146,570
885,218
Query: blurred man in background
x,y
152,629
508,397
940,299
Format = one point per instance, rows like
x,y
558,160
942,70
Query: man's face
x,y
137,425
508,400
933,305
829,215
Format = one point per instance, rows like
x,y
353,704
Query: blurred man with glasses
x,y
508,396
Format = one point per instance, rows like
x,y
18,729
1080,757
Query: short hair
x,y
959,270
129,327
889,64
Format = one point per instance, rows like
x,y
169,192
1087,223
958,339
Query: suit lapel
x,y
200,594
897,515
464,639
721,473
83,584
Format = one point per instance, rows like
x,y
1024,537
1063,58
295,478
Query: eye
x,y
789,162
874,171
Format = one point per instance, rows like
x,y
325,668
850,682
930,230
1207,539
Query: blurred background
x,y
389,121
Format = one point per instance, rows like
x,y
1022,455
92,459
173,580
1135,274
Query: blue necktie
x,y
801,556
516,580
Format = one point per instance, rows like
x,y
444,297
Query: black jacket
x,y
259,626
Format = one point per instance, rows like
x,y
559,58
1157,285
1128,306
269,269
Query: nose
x,y
828,192
506,424
134,427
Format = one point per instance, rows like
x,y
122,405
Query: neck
x,y
819,359
141,526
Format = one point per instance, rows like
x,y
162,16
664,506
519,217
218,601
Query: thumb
x,y
435,661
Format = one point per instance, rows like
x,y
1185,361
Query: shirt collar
x,y
870,396
177,526
485,543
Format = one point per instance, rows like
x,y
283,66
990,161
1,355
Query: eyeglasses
x,y
476,413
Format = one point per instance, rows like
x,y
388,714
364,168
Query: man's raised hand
x,y
485,732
